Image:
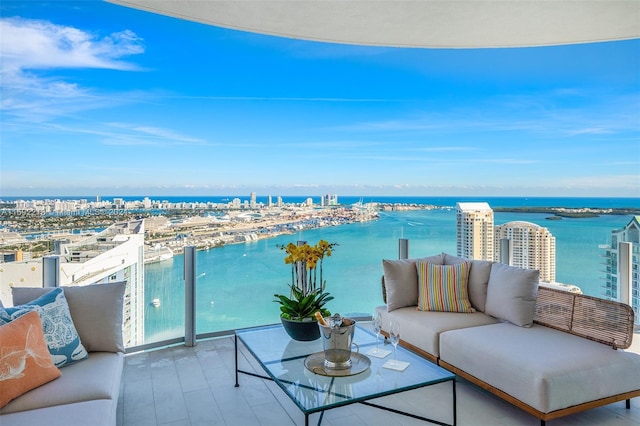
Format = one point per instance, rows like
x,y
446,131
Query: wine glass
x,y
377,328
394,336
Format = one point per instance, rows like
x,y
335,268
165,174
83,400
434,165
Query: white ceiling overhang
x,y
416,23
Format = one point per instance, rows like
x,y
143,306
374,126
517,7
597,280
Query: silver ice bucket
x,y
337,342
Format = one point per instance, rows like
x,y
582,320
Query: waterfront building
x,y
622,266
531,247
118,203
113,255
253,203
331,200
474,231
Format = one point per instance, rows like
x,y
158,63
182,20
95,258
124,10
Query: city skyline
x,y
99,98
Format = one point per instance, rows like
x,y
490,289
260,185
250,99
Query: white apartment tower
x,y
622,266
475,231
532,247
113,255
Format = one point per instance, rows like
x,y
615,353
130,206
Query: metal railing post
x,y
190,296
51,271
506,252
403,248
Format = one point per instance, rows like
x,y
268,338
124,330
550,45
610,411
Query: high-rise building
x,y
113,255
475,231
532,247
118,203
253,203
622,266
330,200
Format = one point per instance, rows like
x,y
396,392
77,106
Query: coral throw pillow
x,y
443,287
25,362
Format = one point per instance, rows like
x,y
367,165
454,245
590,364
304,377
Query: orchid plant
x,y
307,286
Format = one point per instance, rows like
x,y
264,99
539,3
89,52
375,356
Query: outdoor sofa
x,y
547,351
86,391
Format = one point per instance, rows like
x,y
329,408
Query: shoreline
x,y
572,213
179,229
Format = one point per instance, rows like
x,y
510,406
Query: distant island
x,y
573,213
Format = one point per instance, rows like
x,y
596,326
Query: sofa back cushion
x,y
400,281
25,362
511,294
96,310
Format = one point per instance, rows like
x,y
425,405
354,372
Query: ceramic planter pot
x,y
303,331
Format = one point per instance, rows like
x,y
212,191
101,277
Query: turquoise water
x,y
236,283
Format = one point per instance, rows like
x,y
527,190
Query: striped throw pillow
x,y
443,287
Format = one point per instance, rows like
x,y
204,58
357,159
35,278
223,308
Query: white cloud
x,y
131,134
29,46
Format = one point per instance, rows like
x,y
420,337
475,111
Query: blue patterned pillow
x,y
59,332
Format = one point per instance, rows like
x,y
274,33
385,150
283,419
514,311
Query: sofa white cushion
x,y
511,294
97,377
545,368
401,281
96,310
422,328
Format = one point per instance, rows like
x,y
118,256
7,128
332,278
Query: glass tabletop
x,y
283,360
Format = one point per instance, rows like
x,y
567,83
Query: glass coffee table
x,y
283,359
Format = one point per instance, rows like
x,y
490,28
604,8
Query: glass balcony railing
x,y
235,287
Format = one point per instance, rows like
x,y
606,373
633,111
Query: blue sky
x,y
100,99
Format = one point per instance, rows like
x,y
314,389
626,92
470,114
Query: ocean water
x,y
236,283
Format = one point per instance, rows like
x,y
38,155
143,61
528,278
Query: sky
x,y
99,99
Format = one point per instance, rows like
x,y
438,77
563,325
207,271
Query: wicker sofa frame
x,y
604,321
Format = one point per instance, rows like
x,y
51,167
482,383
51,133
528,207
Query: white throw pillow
x,y
511,294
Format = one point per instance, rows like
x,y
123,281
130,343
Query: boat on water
x,y
156,302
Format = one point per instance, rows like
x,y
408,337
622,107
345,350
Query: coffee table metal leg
x,y
455,411
236,347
